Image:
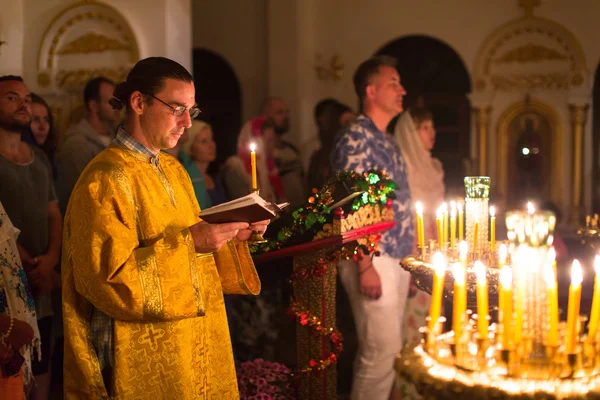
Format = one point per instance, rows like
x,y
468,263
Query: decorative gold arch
x,y
570,51
557,165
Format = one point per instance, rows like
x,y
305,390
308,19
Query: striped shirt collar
x,y
124,139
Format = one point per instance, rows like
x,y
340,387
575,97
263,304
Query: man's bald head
x,y
277,110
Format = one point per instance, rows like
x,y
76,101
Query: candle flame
x,y
551,255
530,208
479,271
549,276
576,273
444,207
439,213
459,205
439,264
506,276
419,207
252,147
463,250
459,273
597,264
492,211
502,253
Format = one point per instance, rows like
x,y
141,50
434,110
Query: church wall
x,y
11,32
237,31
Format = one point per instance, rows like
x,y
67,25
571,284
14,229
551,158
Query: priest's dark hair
x,y
367,70
6,78
148,77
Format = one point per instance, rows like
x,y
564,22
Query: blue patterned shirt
x,y
362,146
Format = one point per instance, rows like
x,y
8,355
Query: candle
x,y
460,301
520,286
550,279
463,252
530,208
438,222
253,165
493,230
595,313
439,268
574,304
445,209
552,258
482,299
452,224
502,254
475,235
420,231
505,305
461,222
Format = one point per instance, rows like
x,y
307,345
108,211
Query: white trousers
x,y
378,326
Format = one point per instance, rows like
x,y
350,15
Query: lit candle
x,y
505,305
463,253
493,230
530,208
253,165
452,224
461,222
439,268
475,234
552,258
460,301
574,304
550,279
520,286
502,254
595,313
445,209
439,222
482,299
420,231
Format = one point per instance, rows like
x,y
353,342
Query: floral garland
x,y
374,184
305,318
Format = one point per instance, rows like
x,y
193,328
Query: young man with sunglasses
x,y
143,276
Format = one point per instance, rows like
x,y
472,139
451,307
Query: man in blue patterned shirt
x,y
377,290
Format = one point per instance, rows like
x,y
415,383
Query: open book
x,y
250,208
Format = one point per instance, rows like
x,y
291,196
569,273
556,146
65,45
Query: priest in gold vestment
x,y
143,276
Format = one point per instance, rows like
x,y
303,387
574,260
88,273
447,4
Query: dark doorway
x,y
434,74
219,96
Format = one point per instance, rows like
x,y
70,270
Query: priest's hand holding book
x,y
209,238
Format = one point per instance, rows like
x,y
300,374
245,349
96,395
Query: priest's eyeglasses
x,y
179,110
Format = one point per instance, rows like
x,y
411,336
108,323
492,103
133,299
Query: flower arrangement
x,y
264,380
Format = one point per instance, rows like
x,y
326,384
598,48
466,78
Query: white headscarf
x,y
425,173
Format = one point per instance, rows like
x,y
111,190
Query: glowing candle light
x,y
475,234
595,313
460,301
420,231
463,253
461,222
530,208
493,229
502,254
253,165
505,305
452,224
439,268
550,279
482,299
552,258
445,210
574,304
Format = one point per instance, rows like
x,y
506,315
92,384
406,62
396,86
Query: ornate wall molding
x,y
530,53
93,43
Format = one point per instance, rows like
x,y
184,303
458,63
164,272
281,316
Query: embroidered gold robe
x,y
128,252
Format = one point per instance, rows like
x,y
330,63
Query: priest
x,y
143,276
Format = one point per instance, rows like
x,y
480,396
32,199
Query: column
x,y
578,118
482,117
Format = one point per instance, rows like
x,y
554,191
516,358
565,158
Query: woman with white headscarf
x,y
415,135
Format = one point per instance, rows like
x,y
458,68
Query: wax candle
x,y
502,254
253,166
552,258
475,236
463,253
574,304
439,222
439,269
482,299
445,210
551,286
505,305
595,313
461,222
460,301
420,228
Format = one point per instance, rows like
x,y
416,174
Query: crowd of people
x,y
56,185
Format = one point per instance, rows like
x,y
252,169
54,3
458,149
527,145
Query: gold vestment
x,y
127,251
